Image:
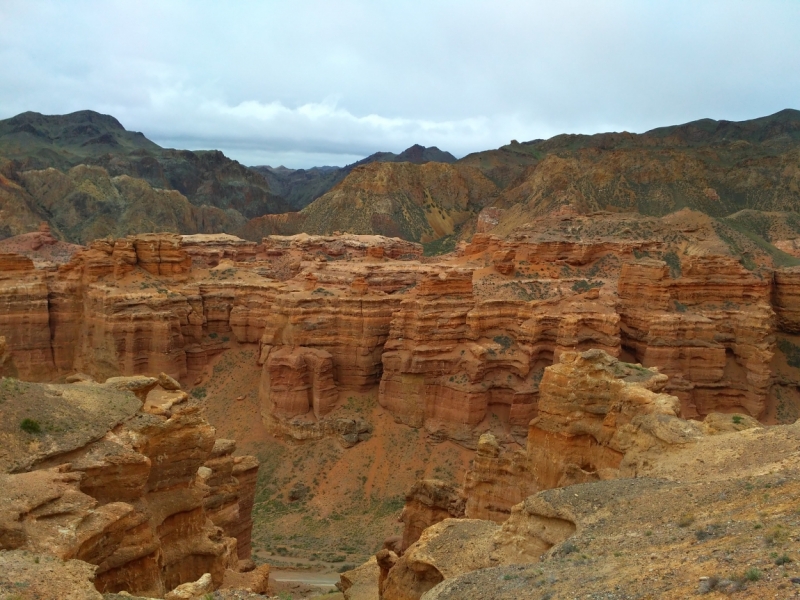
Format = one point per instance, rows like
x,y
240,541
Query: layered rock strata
x,y
457,346
139,491
711,329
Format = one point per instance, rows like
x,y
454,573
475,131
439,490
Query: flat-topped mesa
x,y
707,323
103,322
208,250
343,246
137,491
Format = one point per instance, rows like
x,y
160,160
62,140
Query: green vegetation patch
x,y
30,426
444,245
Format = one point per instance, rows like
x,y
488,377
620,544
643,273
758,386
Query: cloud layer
x,y
303,82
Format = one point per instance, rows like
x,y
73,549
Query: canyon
x,y
501,348
556,366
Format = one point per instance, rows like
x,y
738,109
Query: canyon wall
x,y
457,345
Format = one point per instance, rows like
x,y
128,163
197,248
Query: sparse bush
x,y
775,534
30,426
568,547
752,574
737,419
686,520
783,559
344,568
199,392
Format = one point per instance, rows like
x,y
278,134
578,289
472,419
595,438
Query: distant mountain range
x,y
88,177
300,187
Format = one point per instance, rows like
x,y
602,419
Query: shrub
x,y
569,547
199,392
30,426
686,520
752,574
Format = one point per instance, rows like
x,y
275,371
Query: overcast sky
x,y
303,82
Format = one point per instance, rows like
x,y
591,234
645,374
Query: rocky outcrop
x,y
427,503
25,317
341,246
591,408
707,323
26,575
786,299
141,491
497,480
453,361
680,508
440,553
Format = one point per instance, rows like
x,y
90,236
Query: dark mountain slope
x,y
300,187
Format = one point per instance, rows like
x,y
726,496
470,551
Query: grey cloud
x,y
302,81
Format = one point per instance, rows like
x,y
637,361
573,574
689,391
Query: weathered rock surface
x,y
456,346
678,483
427,503
663,536
497,480
138,493
28,576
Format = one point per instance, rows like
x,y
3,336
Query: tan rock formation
x,y
691,501
427,503
442,552
361,583
588,406
497,480
129,491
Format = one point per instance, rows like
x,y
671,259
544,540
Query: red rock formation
x,y
297,381
342,246
451,360
24,316
786,299
208,250
710,330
